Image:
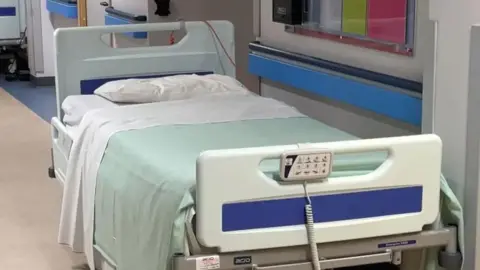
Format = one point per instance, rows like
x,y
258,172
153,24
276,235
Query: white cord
x,y
311,230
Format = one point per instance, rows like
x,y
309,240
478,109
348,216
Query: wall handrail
x,y
117,17
125,15
71,2
385,95
408,85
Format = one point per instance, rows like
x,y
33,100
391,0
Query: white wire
x,y
311,231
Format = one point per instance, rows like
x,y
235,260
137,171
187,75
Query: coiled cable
x,y
310,223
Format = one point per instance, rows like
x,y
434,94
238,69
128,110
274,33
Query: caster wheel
x,y
10,77
450,261
51,172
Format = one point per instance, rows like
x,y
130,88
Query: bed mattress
x,y
76,106
146,180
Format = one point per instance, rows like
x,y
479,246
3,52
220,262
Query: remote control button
x,y
303,166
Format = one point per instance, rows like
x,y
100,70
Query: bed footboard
x,y
241,208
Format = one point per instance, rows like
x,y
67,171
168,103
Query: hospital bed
x,y
12,22
241,202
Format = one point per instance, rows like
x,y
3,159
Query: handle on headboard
x,y
125,15
135,27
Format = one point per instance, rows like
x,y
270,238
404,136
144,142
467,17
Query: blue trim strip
x,y
8,11
88,87
339,68
385,102
114,20
327,208
67,10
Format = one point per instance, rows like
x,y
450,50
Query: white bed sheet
x,y
76,106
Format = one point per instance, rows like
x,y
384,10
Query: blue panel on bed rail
x,y
116,20
8,11
327,208
284,68
65,8
87,87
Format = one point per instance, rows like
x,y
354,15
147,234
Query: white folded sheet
x,y
76,106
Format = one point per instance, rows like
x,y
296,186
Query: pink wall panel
x,y
386,20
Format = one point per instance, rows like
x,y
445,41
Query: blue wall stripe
x,y
67,10
114,20
8,11
385,102
88,87
365,74
327,208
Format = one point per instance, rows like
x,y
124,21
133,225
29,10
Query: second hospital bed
x,y
149,173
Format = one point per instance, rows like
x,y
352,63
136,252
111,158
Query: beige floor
x,y
29,199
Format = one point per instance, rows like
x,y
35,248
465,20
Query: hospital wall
x,y
240,13
348,118
273,34
96,15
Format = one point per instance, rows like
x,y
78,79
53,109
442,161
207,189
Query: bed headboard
x,y
84,62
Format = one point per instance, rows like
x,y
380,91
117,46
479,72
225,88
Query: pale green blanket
x,y
146,181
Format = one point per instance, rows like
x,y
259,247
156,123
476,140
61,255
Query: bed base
x,y
334,255
386,250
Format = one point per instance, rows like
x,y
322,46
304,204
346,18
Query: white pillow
x,y
176,87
